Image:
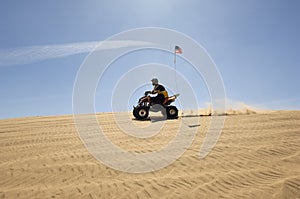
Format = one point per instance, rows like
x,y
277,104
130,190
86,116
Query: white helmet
x,y
154,81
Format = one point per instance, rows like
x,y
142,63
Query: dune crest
x,y
256,156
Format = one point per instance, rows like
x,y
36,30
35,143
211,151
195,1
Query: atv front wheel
x,y
141,112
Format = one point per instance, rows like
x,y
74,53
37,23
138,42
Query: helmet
x,y
154,81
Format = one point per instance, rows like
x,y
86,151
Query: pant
x,y
159,99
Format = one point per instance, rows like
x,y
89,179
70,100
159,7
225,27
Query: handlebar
x,y
147,93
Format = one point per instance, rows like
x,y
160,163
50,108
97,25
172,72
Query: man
x,y
158,89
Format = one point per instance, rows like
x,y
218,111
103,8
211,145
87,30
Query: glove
x,y
147,92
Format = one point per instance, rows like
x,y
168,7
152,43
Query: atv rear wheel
x,y
172,112
141,112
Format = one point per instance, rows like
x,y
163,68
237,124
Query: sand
x,y
256,156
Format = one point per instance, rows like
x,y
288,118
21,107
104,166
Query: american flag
x,y
178,50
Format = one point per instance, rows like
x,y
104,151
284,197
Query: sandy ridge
x,y
257,156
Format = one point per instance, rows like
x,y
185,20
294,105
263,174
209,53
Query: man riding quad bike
x,y
141,111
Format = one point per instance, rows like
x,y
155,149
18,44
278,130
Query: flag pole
x,y
175,69
174,56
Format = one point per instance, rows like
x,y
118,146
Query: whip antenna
x,y
177,50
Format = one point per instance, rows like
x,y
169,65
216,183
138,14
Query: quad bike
x,y
141,111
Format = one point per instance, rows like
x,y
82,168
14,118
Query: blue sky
x,y
255,45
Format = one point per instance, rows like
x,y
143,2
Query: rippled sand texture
x,y
257,156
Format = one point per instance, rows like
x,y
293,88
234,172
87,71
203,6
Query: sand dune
x,y
257,156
